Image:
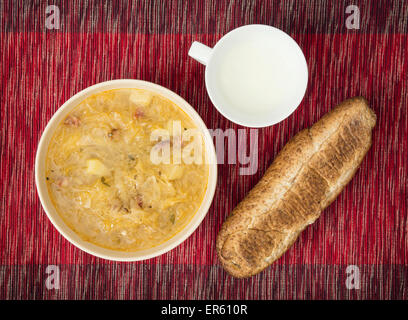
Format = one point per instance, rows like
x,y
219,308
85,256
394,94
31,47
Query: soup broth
x,y
101,177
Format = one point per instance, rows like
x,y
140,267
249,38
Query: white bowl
x,y
56,219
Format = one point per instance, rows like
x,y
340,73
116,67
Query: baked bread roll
x,y
306,176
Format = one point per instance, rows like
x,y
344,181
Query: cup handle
x,y
200,52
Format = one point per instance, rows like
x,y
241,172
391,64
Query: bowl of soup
x,y
126,170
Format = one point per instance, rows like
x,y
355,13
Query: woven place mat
x,y
149,40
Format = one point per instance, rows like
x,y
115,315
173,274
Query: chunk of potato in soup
x,y
102,180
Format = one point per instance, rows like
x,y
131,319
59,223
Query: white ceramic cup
x,y
287,57
56,219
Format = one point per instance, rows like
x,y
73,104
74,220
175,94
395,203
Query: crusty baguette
x,y
306,176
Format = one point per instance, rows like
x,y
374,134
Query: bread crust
x,y
305,177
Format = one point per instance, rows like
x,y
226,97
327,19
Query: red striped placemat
x,y
149,40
